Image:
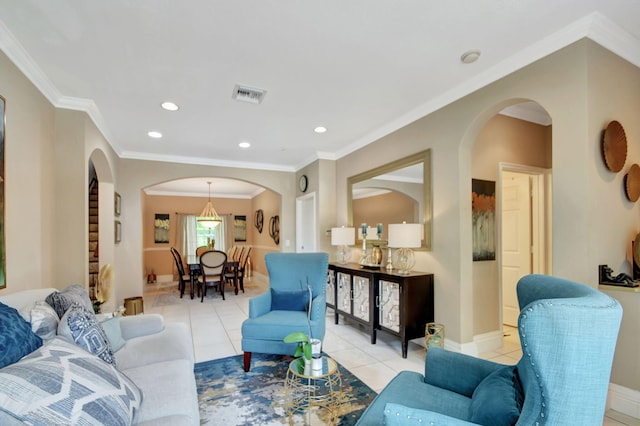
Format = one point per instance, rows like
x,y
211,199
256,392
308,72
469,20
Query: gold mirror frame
x,y
423,157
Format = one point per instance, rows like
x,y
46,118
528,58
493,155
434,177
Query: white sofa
x,y
157,357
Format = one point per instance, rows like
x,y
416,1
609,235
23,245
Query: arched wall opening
x,y
496,143
103,254
236,200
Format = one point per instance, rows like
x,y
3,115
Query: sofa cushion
x,y
111,327
498,398
16,337
81,326
62,384
289,300
169,390
44,320
61,300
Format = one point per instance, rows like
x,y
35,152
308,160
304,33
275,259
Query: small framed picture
x,y
116,203
117,231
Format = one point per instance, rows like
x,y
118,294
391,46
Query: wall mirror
x,y
392,193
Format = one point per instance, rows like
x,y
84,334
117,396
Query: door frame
x,y
307,222
541,238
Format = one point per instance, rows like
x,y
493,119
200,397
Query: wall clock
x,y
303,183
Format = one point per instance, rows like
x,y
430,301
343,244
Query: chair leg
x,y
204,292
222,289
247,361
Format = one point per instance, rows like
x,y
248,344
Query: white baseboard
x,y
623,400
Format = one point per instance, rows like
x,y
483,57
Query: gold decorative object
x,y
632,183
614,146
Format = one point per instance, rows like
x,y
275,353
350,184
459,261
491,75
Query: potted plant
x,y
308,350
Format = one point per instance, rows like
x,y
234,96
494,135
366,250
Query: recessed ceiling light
x,y
155,135
320,129
470,56
244,145
169,106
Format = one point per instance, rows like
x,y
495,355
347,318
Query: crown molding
x,y
594,26
131,155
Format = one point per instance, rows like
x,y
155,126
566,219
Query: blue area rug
x,y
229,396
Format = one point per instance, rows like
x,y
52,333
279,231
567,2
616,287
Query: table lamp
x,y
343,237
403,237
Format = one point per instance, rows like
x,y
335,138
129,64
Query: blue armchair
x,y
283,309
568,333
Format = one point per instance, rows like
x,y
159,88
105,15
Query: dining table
x,y
193,262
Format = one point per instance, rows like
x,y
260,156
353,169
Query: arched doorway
x,y
235,200
512,146
100,219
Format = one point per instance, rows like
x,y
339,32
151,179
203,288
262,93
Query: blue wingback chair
x,y
568,333
283,309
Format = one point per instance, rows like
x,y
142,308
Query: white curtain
x,y
187,235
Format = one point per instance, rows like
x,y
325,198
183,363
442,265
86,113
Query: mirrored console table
x,y
400,305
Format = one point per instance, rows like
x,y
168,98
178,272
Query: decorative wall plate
x,y
259,220
614,146
632,183
636,249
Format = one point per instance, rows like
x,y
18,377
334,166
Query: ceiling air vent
x,y
248,94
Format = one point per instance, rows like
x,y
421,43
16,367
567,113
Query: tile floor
x,y
215,327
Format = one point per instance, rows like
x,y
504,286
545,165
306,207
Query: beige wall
x,y
582,87
157,256
508,140
270,203
560,84
392,207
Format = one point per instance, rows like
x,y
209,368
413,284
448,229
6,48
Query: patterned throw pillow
x,y
61,300
44,320
16,337
80,325
61,384
111,327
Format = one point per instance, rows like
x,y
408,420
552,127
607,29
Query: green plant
x,y
303,341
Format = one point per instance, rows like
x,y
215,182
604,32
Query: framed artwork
x,y
117,201
117,231
240,228
161,228
3,263
483,207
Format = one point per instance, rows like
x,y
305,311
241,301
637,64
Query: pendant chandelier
x,y
209,217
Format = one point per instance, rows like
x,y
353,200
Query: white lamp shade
x,y
405,235
343,236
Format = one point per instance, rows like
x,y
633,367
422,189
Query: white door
x,y
516,240
306,225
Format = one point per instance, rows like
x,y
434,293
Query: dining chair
x,y
212,265
234,275
242,266
182,277
201,250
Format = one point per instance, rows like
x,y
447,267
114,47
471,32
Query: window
x,y
204,235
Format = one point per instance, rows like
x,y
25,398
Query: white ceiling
x,y
361,68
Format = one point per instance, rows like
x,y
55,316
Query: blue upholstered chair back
x,y
292,271
568,333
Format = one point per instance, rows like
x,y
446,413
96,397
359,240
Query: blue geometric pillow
x,y
63,384
16,337
81,326
44,320
61,300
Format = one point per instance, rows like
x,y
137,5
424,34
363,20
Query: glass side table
x,y
306,393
